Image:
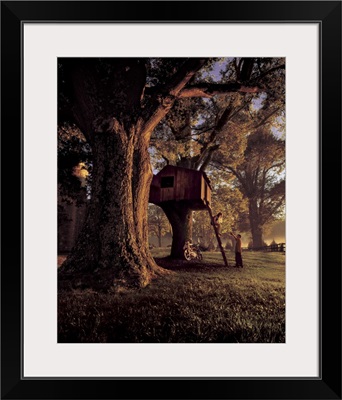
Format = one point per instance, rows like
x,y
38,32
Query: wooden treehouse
x,y
173,184
176,184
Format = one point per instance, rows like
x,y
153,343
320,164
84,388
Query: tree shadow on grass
x,y
102,281
188,266
97,281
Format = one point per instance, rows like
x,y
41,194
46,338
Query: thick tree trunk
x,y
114,236
180,217
106,104
256,225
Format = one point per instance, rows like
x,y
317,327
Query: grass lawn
x,y
202,302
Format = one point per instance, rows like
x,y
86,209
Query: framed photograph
x,y
282,336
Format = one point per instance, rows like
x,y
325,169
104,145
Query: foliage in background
x,y
158,224
74,164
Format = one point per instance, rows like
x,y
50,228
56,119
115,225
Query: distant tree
x,y
259,174
158,224
260,177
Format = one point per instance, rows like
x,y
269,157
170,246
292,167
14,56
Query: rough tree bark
x,y
112,236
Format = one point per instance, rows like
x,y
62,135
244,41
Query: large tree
x,y
260,177
117,103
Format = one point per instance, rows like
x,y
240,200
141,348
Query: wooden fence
x,y
280,247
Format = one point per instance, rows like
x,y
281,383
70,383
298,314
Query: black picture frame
x,y
328,385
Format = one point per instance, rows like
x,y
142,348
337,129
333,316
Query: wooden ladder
x,y
217,235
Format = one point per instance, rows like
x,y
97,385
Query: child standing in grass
x,y
238,250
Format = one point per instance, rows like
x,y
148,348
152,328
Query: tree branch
x,y
264,120
275,165
204,161
242,181
177,88
272,210
282,66
184,75
170,92
211,89
206,149
166,159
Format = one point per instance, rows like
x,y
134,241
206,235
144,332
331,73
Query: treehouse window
x,y
167,181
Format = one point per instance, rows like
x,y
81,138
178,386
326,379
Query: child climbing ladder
x,y
217,233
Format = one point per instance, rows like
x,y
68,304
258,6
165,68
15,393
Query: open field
x,y
200,303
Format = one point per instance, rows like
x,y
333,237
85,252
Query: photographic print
x,y
148,143
171,200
